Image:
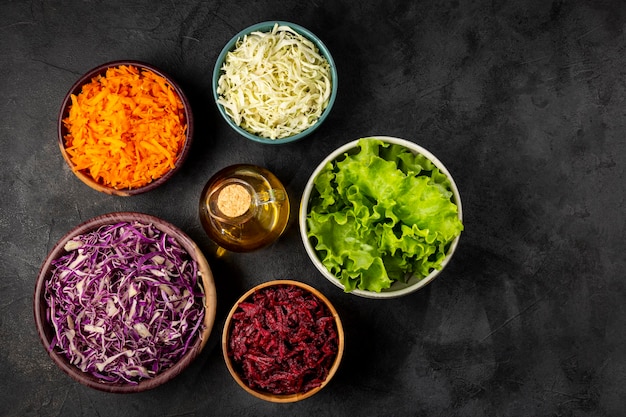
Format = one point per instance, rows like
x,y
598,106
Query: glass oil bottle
x,y
244,207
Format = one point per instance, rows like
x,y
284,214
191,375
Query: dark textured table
x,y
524,101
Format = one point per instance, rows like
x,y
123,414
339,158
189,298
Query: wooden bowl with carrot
x,y
125,128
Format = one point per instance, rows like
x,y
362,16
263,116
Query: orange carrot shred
x,y
126,128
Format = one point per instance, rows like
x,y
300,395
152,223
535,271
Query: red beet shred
x,y
283,340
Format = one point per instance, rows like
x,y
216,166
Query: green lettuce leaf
x,y
380,215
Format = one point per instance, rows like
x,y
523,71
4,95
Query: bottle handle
x,y
268,197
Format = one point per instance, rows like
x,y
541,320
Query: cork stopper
x,y
234,200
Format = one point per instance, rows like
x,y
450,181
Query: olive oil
x,y
244,207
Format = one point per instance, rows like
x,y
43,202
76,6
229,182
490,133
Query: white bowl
x,y
398,288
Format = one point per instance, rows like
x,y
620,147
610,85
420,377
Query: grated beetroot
x,y
283,340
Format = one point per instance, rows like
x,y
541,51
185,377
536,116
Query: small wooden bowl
x,y
46,331
289,397
85,176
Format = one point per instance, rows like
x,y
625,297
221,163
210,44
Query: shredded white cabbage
x,y
275,84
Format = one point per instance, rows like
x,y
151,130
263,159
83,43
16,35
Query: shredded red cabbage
x,y
125,302
283,340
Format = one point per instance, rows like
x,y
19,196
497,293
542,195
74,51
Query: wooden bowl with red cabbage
x,y
124,302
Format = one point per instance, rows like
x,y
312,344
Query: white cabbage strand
x,y
275,84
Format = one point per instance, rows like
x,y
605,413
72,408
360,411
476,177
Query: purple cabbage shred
x,y
125,302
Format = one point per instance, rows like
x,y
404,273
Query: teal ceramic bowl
x,y
267,27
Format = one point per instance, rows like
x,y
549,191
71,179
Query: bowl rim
x,y
290,397
304,206
206,279
76,88
264,27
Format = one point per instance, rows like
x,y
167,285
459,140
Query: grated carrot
x,y
125,128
